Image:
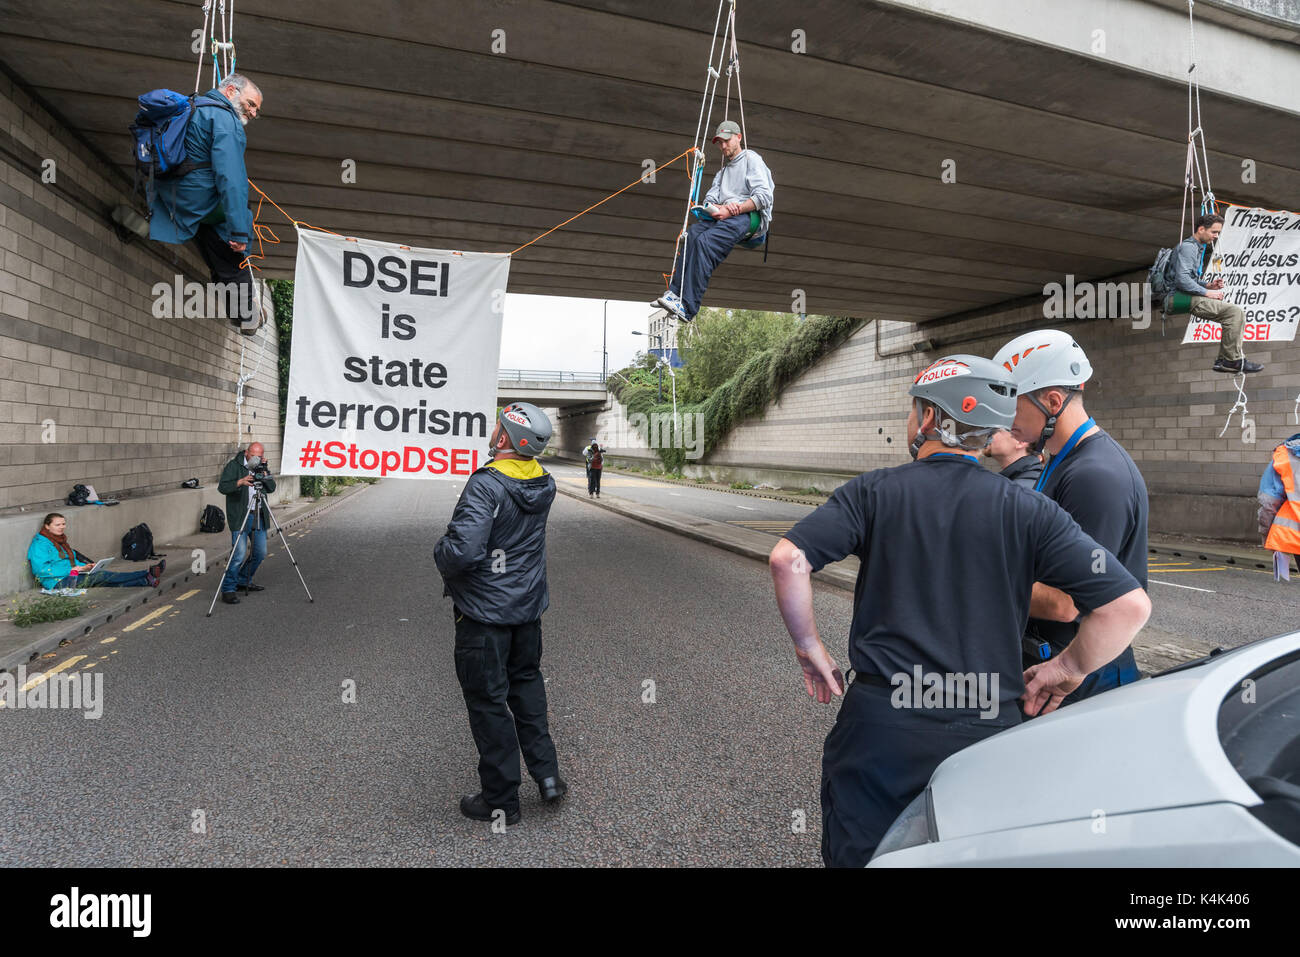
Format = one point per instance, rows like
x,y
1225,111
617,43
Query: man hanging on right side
x,y
1207,301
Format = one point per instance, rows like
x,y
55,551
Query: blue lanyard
x,y
952,455
1065,450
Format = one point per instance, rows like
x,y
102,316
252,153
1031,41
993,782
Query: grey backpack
x,y
1160,277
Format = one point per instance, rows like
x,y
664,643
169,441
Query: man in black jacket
x,y
493,565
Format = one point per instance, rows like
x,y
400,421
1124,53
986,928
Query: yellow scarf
x,y
518,468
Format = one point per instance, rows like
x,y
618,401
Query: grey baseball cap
x,y
726,130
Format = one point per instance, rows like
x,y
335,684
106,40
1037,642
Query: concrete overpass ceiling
x,y
1066,163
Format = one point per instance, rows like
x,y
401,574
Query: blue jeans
x,y
102,579
1122,671
707,244
238,575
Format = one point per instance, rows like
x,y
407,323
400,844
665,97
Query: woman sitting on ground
x,y
53,560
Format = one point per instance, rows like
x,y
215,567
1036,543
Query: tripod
x,y
254,515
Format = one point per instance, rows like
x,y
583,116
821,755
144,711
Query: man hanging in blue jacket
x,y
493,565
210,203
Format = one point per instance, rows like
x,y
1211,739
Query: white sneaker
x,y
672,304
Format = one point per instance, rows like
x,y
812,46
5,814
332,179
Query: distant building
x,y
660,326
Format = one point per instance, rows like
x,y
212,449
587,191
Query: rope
x,y
1240,382
705,122
246,377
735,62
265,234
639,179
203,42
1196,175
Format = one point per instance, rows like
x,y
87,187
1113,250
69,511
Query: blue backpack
x,y
159,134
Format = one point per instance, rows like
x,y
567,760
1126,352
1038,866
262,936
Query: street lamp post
x,y
604,346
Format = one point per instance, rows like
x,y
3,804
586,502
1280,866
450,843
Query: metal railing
x,y
548,375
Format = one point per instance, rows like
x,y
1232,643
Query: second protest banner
x,y
1258,258
393,367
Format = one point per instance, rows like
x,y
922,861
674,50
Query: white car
x,y
1198,766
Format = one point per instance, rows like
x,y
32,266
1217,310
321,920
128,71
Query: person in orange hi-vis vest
x,y
1279,505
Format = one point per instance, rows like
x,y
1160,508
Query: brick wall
x,y
138,403
1157,397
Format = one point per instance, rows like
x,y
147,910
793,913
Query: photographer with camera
x,y
243,477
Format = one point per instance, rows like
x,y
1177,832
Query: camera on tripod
x,y
259,472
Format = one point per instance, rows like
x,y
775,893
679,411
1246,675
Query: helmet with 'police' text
x,y
970,390
528,427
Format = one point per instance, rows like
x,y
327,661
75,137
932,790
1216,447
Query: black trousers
x,y
878,758
223,263
499,668
593,480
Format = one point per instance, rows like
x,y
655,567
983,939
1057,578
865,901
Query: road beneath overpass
x,y
247,723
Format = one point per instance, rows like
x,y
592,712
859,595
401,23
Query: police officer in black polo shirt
x,y
1089,475
949,554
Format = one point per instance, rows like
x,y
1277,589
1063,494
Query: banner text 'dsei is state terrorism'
x,y
394,359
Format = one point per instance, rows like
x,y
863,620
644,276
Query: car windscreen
x,y
1259,729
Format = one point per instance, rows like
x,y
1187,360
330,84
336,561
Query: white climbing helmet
x,y
1042,358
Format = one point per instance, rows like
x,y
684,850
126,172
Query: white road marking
x,y
747,508
1188,587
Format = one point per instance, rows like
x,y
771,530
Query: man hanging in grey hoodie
x,y
493,565
739,204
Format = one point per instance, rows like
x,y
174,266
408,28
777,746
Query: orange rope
x,y
1225,204
639,179
270,236
273,239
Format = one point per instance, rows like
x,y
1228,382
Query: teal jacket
x,y
215,135
48,564
237,495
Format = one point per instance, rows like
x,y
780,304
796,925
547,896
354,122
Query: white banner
x,y
395,356
1258,258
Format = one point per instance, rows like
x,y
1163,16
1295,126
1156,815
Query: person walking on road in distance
x,y
1089,475
949,555
1207,301
236,484
210,203
740,204
1014,457
493,564
595,457
1279,506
